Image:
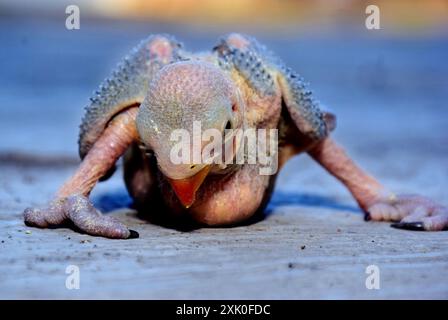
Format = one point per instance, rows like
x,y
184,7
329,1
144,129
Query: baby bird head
x,y
181,97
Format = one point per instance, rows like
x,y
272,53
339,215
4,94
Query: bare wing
x,y
261,69
126,87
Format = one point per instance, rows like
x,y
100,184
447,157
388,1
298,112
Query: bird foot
x,y
411,212
79,210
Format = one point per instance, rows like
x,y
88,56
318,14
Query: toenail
x,y
133,234
415,226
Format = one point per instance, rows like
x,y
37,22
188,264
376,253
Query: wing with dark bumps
x,y
302,106
126,87
262,69
250,59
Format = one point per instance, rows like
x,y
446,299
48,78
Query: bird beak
x,y
186,189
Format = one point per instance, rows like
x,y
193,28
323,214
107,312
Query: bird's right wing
x,y
262,70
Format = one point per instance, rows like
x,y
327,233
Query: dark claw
x,y
415,226
367,217
133,234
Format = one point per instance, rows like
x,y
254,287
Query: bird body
x,y
161,89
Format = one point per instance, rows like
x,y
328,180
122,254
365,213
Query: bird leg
x,y
71,202
413,212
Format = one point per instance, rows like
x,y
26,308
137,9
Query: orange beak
x,y
186,189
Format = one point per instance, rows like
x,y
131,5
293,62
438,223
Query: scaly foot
x,y
413,212
79,210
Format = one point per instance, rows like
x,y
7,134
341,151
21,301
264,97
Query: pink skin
x,y
364,188
71,202
221,199
226,200
413,211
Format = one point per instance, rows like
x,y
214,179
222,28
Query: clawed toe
x,y
382,211
86,217
80,211
33,217
51,215
411,213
